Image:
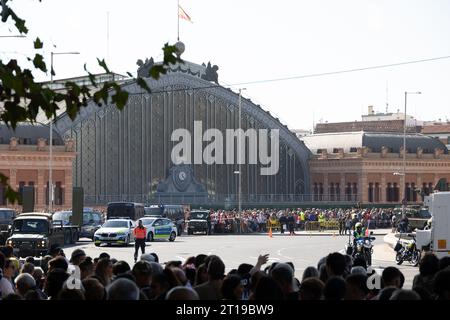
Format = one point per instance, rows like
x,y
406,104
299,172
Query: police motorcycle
x,y
407,251
361,247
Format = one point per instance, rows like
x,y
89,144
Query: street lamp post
x,y
239,155
50,160
404,152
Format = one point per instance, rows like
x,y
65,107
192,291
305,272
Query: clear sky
x,y
252,40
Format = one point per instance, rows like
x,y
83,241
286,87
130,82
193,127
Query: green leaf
x,y
38,43
120,98
102,64
39,63
143,84
156,71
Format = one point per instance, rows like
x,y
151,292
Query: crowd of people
x,y
256,220
203,277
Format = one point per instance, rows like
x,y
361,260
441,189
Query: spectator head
x,y
429,265
348,264
86,268
199,260
38,275
442,284
402,294
27,268
30,259
156,268
190,274
9,269
386,293
335,264
284,276
444,263
142,271
24,282
163,282
268,289
173,264
104,271
8,251
155,256
356,287
78,256
2,261
323,275
392,277
12,296
216,269
335,289
71,294
244,268
93,289
232,288
182,293
120,267
358,270
122,289
310,272
58,263
104,255
54,282
311,289
55,250
147,257
180,275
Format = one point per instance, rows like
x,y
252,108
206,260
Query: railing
x,y
231,200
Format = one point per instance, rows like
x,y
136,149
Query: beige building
x,y
368,167
24,158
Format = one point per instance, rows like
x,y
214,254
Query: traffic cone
x,y
270,232
367,232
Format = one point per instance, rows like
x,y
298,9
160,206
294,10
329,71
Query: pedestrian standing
x,y
140,233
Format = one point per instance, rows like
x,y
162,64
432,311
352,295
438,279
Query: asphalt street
x,y
301,250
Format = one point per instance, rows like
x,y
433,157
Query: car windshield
x,y
424,213
30,226
62,216
199,215
7,215
147,222
115,224
153,211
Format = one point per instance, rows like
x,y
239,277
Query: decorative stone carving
x,y
402,151
419,152
70,145
438,152
211,73
41,143
384,151
13,143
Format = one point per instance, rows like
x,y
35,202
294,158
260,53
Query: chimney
x,y
370,110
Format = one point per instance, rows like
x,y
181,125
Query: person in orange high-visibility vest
x,y
140,233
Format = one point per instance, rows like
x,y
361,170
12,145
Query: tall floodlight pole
x,y
404,152
50,160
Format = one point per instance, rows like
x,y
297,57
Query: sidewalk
x,y
376,232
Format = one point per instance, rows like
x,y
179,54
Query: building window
x,y
20,191
316,192
370,192
396,193
353,149
338,192
320,191
58,194
414,192
331,192
348,192
377,192
407,192
2,194
355,192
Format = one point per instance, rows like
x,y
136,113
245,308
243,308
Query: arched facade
x,y
126,155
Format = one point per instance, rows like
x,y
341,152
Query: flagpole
x,y
178,16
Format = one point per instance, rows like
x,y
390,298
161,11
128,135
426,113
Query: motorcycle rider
x,y
359,232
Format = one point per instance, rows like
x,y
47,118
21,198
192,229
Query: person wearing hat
x,y
140,234
77,257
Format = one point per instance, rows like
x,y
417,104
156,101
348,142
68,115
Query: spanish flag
x,y
183,15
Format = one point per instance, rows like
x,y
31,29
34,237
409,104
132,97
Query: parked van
x,y
131,210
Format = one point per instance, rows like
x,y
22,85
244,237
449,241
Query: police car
x,y
118,231
159,228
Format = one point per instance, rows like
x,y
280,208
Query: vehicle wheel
x,y
369,258
172,236
415,258
398,258
127,242
150,237
97,244
190,232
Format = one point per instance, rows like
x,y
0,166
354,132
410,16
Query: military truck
x,y
417,216
7,217
198,221
33,234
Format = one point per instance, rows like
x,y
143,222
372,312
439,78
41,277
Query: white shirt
x,y
6,287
